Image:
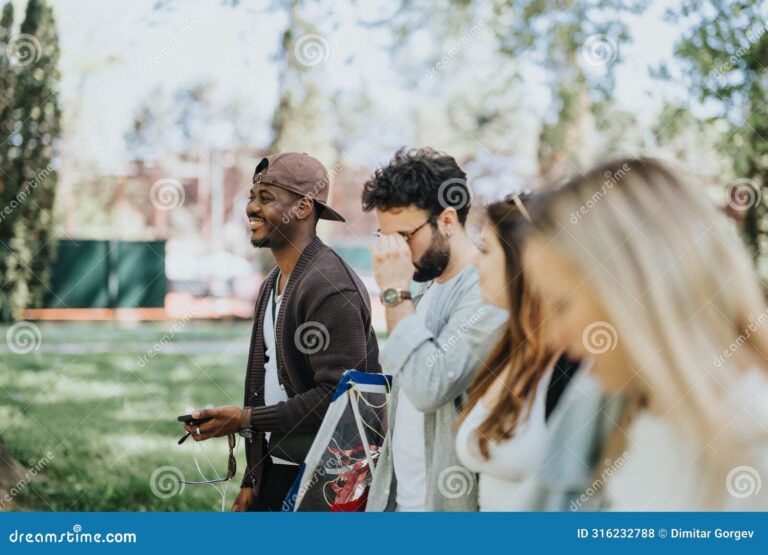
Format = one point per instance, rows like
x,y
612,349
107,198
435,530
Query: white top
x,y
506,475
408,451
660,467
274,393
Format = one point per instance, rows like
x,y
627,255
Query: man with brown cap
x,y
312,322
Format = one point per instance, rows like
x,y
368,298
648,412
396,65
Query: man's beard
x,y
433,262
262,243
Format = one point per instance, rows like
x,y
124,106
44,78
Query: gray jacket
x,y
568,478
434,360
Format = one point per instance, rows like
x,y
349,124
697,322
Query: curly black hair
x,y
423,177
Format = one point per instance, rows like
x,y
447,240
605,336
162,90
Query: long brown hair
x,y
520,355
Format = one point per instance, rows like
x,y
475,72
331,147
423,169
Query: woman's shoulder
x,y
654,472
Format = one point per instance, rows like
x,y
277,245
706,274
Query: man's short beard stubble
x,y
262,243
433,262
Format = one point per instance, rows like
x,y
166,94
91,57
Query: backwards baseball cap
x,y
299,173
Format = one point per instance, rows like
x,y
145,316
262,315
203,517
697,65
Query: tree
x,y
7,82
11,473
723,51
27,173
302,105
578,42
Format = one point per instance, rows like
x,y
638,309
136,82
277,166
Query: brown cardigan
x,y
324,293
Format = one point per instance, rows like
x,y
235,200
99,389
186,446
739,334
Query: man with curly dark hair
x,y
438,336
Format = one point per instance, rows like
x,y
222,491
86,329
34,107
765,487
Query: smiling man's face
x,y
269,212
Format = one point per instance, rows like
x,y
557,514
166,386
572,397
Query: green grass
x,y
110,423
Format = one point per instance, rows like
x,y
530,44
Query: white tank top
x,y
506,474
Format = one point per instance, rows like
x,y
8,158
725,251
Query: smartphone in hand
x,y
187,419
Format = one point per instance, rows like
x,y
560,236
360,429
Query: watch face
x,y
390,296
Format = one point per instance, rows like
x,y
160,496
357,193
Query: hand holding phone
x,y
187,419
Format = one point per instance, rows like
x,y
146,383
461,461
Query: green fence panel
x,y
140,273
108,274
80,275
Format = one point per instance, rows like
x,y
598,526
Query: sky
x,y
116,53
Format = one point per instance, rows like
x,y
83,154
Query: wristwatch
x,y
245,430
393,297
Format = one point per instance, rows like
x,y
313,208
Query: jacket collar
x,y
306,256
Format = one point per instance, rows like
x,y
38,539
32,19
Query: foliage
x,y
30,125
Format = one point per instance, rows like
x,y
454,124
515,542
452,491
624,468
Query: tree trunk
x,y
11,473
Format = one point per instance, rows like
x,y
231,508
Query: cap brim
x,y
328,213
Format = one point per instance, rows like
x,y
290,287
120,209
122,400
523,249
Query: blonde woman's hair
x,y
678,285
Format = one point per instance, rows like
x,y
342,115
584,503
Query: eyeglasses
x,y
231,466
407,235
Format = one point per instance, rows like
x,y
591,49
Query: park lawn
x,y
110,423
